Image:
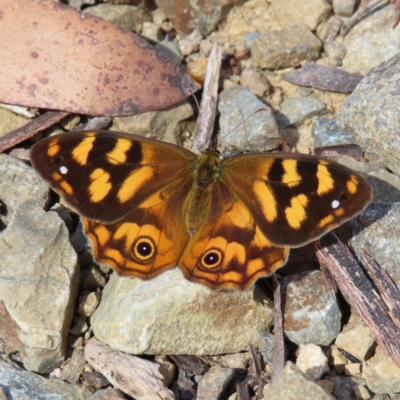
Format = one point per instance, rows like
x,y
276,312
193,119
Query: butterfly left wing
x,y
150,239
130,192
229,249
296,198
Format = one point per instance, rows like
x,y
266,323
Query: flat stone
x,y
326,133
162,125
371,41
11,121
292,12
312,361
246,131
286,48
19,384
344,8
19,183
214,383
296,110
37,286
378,230
291,383
127,16
382,375
372,114
133,319
356,340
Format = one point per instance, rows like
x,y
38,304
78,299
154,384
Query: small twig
x,y
388,290
278,361
242,390
358,14
208,108
397,5
256,361
33,127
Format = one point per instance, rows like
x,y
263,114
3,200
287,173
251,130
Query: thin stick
x,y
357,15
278,361
208,108
33,127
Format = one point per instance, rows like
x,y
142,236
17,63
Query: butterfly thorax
x,y
207,170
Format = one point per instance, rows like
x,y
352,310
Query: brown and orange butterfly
x,y
149,206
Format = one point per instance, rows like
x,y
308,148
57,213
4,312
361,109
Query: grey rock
x,y
382,375
312,361
249,38
311,313
11,121
344,8
108,394
372,114
326,133
19,384
163,124
259,131
295,111
170,50
292,12
214,383
372,40
162,316
335,52
266,346
343,387
19,183
38,284
127,16
286,48
378,230
72,369
291,383
256,82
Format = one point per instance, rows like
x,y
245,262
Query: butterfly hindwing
x,y
150,239
229,249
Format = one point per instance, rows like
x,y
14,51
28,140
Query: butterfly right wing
x,y
229,249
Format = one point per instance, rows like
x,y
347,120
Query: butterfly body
x,y
149,206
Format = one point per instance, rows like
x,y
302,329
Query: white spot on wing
x,y
63,169
335,204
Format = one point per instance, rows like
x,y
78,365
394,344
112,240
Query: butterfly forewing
x,y
296,199
104,175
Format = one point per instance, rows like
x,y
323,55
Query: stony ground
x,y
73,329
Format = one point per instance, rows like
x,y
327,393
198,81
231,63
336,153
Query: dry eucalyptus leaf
x,y
325,78
56,57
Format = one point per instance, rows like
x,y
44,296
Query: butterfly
x,y
149,206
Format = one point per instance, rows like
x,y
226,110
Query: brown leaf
x,y
56,57
325,78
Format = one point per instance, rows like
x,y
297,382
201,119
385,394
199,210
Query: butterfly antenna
x,y
198,107
243,122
